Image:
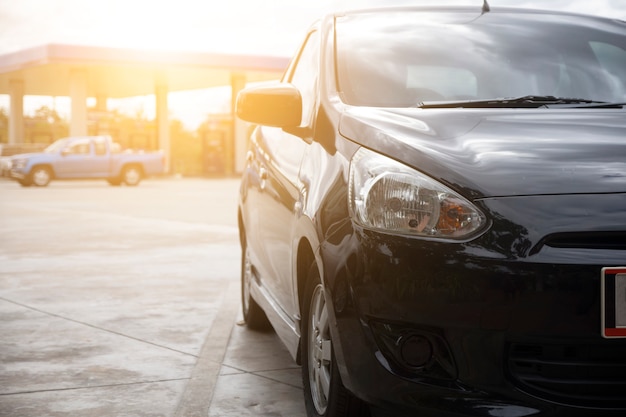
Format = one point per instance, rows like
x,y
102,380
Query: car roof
x,y
477,10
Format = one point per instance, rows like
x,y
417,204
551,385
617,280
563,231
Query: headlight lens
x,y
388,196
18,163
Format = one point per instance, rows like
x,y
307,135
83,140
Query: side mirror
x,y
277,105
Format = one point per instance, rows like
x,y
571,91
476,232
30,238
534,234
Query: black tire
x,y
114,181
324,393
132,175
253,314
40,176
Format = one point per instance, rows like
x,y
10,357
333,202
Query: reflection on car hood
x,y
486,153
26,155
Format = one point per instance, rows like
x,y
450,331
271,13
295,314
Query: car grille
x,y
582,375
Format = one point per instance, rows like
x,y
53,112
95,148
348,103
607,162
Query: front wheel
x,y
324,393
40,176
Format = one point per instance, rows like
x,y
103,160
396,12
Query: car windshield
x,y
56,146
403,59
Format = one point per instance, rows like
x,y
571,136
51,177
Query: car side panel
x,y
276,199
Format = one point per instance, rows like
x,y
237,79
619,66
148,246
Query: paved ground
x,y
121,301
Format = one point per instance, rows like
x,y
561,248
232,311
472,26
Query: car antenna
x,y
486,8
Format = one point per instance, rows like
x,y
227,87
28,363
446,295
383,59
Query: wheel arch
x,y
46,165
133,164
305,258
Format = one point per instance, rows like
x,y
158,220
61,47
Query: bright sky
x,y
250,26
264,27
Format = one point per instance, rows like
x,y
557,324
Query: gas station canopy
x,y
117,73
81,71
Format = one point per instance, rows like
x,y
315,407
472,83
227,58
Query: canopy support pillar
x,y
16,111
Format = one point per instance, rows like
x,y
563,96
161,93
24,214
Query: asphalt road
x,y
123,301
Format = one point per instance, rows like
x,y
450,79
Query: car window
x,y
79,148
305,75
56,146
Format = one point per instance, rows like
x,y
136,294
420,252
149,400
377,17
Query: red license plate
x,y
614,302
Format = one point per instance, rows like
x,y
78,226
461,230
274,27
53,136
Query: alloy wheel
x,y
319,351
132,176
41,177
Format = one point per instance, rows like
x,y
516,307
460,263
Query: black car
x,y
433,213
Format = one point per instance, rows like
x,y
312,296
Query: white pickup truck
x,y
85,157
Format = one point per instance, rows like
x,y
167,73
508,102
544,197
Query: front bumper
x,y
15,174
471,329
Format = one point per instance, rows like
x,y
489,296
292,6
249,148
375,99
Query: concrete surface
x,y
123,301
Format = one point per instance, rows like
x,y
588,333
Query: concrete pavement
x,y
123,301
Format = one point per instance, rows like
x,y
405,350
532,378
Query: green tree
x,y
48,114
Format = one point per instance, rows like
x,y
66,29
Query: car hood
x,y
28,155
508,152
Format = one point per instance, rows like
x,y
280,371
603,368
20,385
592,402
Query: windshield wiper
x,y
591,105
530,101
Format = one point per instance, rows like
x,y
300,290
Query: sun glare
x,y
147,24
240,26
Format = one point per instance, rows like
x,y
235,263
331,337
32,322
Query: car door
x,y
73,159
278,156
83,158
100,158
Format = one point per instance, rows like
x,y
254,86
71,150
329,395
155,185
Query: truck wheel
x,y
114,181
131,175
40,176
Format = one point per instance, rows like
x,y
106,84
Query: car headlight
x,y
18,163
388,196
